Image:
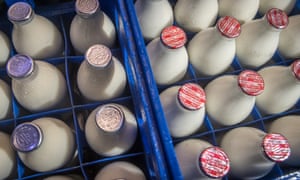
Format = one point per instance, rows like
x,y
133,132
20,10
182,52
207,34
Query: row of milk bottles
x,y
242,152
48,144
38,85
211,50
89,26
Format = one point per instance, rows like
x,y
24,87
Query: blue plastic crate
x,y
209,132
147,151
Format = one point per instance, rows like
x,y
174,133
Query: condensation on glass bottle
x,y
120,170
111,129
5,48
101,76
91,26
44,144
34,35
36,85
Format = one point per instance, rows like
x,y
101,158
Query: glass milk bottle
x,y
120,170
199,159
44,144
37,85
282,88
101,76
153,16
8,158
286,5
289,126
167,51
6,103
64,177
231,98
252,152
195,15
111,129
4,48
289,40
242,10
32,34
212,50
259,38
184,108
91,26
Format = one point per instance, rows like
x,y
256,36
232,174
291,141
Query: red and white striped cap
x,y
251,82
173,37
277,18
191,96
296,68
229,27
276,147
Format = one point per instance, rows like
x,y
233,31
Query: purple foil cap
x,y
98,55
26,137
20,11
19,66
109,118
86,7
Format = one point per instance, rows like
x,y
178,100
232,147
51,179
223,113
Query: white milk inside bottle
x,y
184,108
289,126
111,129
101,76
32,34
37,85
230,98
212,50
195,15
199,159
6,103
286,5
64,177
153,16
282,88
252,152
91,26
44,144
168,51
289,40
242,10
120,170
8,159
4,48
259,38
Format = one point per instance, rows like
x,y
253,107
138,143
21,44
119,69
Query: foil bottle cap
x,y
277,18
229,27
276,147
173,37
98,55
109,118
251,82
214,162
191,96
296,69
86,7
19,12
19,66
26,137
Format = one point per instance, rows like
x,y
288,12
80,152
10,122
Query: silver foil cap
x,y
19,12
26,137
19,66
109,118
86,7
98,55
